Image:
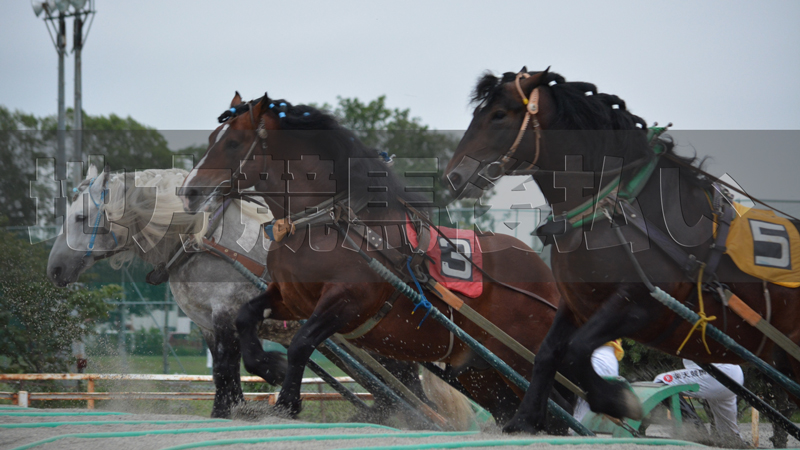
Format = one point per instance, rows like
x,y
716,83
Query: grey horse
x,y
137,215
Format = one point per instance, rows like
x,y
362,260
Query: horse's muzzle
x,y
56,276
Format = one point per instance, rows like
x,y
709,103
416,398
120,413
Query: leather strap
x,y
373,321
397,259
686,261
256,268
724,212
418,258
161,273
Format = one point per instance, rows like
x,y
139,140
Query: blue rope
x,y
424,303
96,226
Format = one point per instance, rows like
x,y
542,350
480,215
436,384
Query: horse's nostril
x,y
55,273
454,179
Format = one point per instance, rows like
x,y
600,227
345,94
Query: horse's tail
x,y
450,403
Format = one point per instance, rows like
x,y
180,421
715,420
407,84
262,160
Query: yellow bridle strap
x,y
702,322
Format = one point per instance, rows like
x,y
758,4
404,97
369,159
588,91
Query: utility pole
x,y
61,150
165,347
77,126
121,344
58,12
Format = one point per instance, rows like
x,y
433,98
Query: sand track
x,y
144,431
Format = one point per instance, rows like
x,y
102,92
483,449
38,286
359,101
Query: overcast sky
x,y
702,65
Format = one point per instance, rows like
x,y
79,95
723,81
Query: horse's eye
x,y
231,144
80,218
499,115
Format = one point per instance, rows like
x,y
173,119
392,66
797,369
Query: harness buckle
x,y
691,267
494,170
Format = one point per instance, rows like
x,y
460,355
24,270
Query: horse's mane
x,y
145,202
579,106
339,144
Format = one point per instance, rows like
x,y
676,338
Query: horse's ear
x,y
524,69
237,100
527,84
92,171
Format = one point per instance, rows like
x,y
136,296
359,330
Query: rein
x,y
726,184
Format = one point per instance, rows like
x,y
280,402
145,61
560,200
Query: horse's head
x,y
504,133
228,163
255,143
88,234
528,121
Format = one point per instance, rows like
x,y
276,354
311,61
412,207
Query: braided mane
x,y
337,143
579,106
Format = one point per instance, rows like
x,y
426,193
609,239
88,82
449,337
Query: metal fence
x,y
23,398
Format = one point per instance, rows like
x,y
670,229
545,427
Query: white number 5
x,y
774,234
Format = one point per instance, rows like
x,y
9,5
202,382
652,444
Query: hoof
x,y
519,424
288,410
271,366
221,413
277,370
617,401
632,405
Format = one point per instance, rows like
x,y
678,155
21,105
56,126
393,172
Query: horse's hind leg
x,y
226,355
384,407
331,314
491,391
271,366
407,372
531,417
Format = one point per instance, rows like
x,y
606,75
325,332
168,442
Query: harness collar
x,y
611,192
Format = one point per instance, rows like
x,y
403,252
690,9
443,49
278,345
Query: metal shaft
x,y
753,400
497,363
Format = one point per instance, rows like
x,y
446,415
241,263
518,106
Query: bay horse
x,y
300,160
574,141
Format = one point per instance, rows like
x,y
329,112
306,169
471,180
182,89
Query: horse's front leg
x,y
271,366
226,355
332,313
532,414
628,311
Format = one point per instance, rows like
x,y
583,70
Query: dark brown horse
x,y
574,141
296,158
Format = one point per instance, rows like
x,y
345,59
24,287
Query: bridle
x,y
261,135
497,168
101,206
